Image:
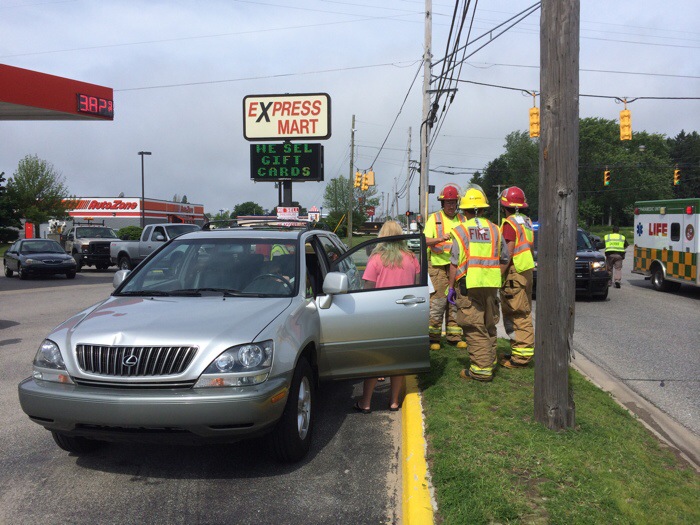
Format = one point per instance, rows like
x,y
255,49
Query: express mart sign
x,y
287,117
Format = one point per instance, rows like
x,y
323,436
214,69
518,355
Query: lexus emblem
x,y
130,360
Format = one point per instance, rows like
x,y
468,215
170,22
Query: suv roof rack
x,y
272,223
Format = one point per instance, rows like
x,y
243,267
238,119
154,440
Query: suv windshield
x,y
247,266
95,233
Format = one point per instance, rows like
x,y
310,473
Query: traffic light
x,y
370,178
358,179
534,122
676,177
408,214
606,178
625,125
365,182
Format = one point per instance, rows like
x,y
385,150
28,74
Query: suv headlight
x,y
598,265
49,365
242,365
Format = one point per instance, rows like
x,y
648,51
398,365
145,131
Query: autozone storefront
x,y
119,212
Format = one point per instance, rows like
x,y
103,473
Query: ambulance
x,y
666,242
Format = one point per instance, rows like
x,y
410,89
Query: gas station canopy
x,y
29,95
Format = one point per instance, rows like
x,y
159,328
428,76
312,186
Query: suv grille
x,y
134,361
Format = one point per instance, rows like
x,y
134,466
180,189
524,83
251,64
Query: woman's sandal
x,y
358,408
394,408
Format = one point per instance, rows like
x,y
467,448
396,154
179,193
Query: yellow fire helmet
x,y
474,198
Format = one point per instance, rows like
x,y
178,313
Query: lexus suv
x,y
225,334
592,276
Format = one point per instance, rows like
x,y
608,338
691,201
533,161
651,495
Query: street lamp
x,y
143,193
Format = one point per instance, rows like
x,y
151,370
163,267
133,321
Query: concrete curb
x,y
684,442
417,508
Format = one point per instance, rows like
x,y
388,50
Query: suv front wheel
x,y
291,438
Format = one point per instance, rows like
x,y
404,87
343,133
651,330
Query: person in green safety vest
x,y
516,294
615,244
476,256
437,237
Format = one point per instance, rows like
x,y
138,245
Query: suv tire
x,y
291,437
8,272
75,444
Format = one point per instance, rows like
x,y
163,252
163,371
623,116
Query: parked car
x,y
592,276
88,243
224,335
127,254
30,257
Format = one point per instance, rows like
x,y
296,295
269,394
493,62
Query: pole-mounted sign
x,y
287,117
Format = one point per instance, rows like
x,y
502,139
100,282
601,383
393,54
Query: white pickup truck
x,y
127,254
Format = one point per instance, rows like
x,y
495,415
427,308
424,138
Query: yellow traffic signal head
x,y
358,179
365,182
676,177
625,125
606,178
534,122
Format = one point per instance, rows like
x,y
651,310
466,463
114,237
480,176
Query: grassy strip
x,y
490,461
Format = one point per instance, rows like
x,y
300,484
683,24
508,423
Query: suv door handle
x,y
411,300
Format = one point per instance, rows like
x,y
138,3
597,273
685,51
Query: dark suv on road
x,y
592,276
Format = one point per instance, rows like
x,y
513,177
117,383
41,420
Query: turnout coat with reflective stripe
x,y
442,224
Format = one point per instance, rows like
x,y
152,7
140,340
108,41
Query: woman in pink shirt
x,y
390,264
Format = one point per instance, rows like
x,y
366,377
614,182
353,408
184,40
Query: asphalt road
x,y
648,340
351,475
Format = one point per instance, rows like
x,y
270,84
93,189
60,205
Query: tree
x,y
37,190
184,199
335,200
247,208
685,156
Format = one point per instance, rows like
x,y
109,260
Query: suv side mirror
x,y
600,245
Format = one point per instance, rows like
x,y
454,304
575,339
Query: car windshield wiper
x,y
197,291
146,293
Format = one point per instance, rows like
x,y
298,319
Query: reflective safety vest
x,y
479,243
614,242
278,249
524,239
443,225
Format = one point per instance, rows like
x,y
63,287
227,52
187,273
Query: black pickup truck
x,y
592,276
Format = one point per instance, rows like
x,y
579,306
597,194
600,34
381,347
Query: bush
x,y
8,235
130,233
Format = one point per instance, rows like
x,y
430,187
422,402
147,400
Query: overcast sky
x,y
181,68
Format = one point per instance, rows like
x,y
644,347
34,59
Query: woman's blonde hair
x,y
391,253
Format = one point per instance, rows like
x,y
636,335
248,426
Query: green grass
x,y
490,461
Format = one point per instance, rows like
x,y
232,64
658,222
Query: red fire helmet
x,y
513,197
450,192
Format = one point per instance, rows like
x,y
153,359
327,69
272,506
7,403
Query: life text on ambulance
x,y
666,242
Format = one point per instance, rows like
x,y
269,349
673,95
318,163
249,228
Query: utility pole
x,y
351,181
408,182
427,57
558,202
498,206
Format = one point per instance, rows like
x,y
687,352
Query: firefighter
x,y
475,278
615,244
437,237
516,294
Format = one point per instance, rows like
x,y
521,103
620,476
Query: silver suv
x,y
221,335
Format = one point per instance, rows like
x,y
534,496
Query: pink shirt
x,y
385,277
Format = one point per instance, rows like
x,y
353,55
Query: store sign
x,y
285,212
292,117
295,162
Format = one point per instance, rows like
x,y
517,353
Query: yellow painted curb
x,y
417,505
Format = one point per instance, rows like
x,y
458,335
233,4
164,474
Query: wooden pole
x,y
558,207
351,181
